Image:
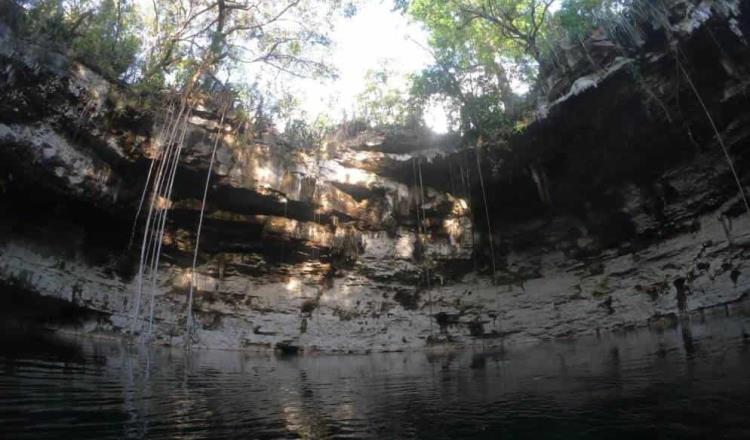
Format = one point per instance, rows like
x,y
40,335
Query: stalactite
x,y
286,209
193,279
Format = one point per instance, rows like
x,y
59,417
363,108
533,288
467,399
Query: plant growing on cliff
x,y
629,28
306,135
102,34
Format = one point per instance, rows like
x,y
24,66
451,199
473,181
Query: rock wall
x,y
615,209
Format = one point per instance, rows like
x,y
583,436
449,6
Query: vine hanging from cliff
x,y
201,39
168,156
224,107
486,211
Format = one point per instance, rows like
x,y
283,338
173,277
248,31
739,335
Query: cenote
x,y
376,219
688,381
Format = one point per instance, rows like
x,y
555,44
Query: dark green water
x,y
689,382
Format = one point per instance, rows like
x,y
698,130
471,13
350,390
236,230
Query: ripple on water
x,y
673,384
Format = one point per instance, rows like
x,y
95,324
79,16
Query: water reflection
x,y
689,381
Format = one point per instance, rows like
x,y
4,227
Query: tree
x,y
476,93
193,41
173,41
508,27
473,66
385,102
208,35
481,47
299,133
577,17
101,33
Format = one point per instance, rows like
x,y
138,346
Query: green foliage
x,y
505,28
480,47
577,17
623,22
109,36
193,45
384,103
299,133
216,35
475,102
101,34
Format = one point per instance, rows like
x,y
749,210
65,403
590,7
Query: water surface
x,y
692,381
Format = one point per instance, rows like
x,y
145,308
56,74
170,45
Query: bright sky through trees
x,y
376,36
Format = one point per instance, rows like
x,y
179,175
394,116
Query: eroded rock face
x,y
615,209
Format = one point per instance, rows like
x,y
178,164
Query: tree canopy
x,y
384,99
105,30
508,27
223,33
485,50
169,43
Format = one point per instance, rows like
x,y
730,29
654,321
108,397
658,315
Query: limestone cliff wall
x,y
615,209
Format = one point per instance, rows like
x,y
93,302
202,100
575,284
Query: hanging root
x,y
487,213
630,34
157,154
417,198
189,312
422,231
466,180
724,149
159,236
162,184
421,193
